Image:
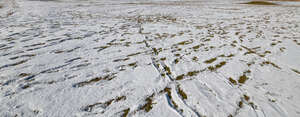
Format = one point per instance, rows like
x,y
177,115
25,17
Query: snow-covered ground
x,y
153,58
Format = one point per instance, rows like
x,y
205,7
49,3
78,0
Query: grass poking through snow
x,y
260,3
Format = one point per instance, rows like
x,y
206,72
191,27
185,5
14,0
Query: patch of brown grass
x,y
232,81
210,60
164,3
287,0
168,91
182,93
94,80
149,104
296,71
168,70
217,66
44,0
243,79
270,63
260,3
126,111
180,77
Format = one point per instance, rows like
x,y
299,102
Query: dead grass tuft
x,y
182,93
210,60
287,0
243,79
45,0
149,104
296,71
260,3
180,77
232,81
126,111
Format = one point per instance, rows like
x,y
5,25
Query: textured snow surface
x,y
154,58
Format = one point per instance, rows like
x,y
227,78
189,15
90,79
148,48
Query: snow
x,y
153,58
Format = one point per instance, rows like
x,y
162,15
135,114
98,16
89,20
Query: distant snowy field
x,y
149,58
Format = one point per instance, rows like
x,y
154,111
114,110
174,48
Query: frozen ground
x,y
109,58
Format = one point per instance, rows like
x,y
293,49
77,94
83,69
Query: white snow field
x,y
149,58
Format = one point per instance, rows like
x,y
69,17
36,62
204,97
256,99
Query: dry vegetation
x,y
260,3
45,0
164,3
181,52
287,0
